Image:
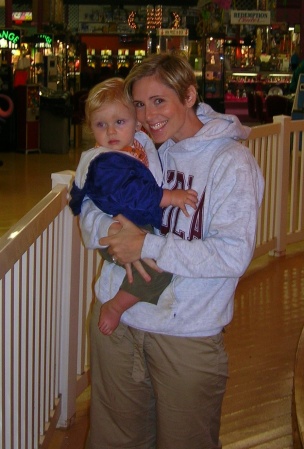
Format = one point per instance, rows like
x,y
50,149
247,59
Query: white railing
x,y
46,288
46,279
279,149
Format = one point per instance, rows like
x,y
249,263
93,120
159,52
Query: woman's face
x,y
161,112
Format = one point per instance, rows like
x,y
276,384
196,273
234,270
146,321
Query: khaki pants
x,y
153,391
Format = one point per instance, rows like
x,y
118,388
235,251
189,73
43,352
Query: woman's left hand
x,y
126,245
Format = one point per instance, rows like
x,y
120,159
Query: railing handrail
x,y
25,231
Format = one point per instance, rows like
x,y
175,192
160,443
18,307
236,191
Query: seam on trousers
x,y
138,372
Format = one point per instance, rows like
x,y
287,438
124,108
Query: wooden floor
x,y
26,178
261,340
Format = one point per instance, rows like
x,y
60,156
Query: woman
x,y
159,380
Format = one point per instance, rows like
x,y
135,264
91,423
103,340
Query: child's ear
x,y
138,126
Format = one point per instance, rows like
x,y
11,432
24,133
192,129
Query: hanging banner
x,y
250,17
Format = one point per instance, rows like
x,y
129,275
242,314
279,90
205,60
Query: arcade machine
x,y
50,72
27,111
91,58
139,55
106,58
123,58
172,39
46,72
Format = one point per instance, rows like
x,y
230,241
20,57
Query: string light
x,y
158,16
131,20
150,18
176,21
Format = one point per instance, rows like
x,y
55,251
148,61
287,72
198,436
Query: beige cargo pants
x,y
153,391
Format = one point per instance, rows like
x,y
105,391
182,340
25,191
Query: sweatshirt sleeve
x,y
94,224
229,215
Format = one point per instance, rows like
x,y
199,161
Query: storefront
x,y
233,51
252,55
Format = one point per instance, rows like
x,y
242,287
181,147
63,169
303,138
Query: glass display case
x,y
239,55
172,40
239,83
213,71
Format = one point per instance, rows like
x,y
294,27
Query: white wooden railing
x,y
46,288
46,279
279,149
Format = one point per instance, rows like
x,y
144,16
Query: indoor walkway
x,y
261,340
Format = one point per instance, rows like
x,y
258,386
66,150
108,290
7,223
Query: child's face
x,y
114,125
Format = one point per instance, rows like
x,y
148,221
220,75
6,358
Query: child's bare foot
x,y
112,310
109,317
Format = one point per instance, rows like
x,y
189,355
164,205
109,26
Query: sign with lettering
x,y
43,40
9,39
250,17
172,31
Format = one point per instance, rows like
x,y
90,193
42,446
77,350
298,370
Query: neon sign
x,y
44,40
9,39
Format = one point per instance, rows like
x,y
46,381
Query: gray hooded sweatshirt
x,y
208,251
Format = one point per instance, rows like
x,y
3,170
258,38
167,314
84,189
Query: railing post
x,y
282,185
62,177
69,312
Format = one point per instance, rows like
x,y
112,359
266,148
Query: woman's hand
x,y
125,245
127,239
114,228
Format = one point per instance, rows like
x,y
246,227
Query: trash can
x,y
55,113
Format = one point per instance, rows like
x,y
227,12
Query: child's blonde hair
x,y
108,91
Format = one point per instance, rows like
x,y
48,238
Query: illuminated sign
x,y
172,32
43,40
250,17
9,39
22,16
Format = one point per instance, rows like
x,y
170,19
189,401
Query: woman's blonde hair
x,y
173,70
108,91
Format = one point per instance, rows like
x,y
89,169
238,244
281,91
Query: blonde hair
x,y
108,91
173,70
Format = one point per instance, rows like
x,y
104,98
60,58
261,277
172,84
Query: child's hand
x,y
182,197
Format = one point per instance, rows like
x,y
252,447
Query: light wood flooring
x,y
261,340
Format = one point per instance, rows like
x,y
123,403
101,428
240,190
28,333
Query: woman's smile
x,y
158,125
